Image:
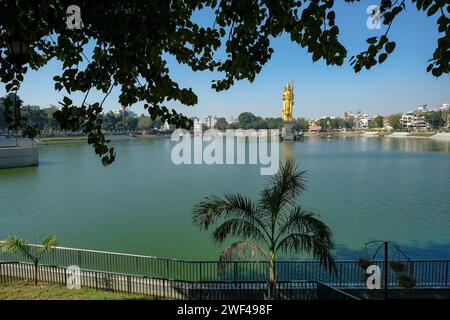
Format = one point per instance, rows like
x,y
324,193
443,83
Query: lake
x,y
363,188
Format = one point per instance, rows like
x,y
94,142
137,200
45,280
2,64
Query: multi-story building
x,y
360,121
414,120
199,126
210,121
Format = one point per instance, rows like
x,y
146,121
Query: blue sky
x,y
399,84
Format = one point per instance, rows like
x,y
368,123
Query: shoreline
x,y
48,141
444,136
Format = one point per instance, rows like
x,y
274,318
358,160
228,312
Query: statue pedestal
x,y
287,132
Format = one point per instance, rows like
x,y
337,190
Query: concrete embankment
x,y
399,135
442,136
14,157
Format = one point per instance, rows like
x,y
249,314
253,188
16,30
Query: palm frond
x,y
286,185
242,250
238,227
310,244
299,220
15,244
209,211
47,244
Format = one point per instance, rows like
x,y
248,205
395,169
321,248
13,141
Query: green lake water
x,y
364,188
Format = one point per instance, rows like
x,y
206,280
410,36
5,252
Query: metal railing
x,y
172,289
427,273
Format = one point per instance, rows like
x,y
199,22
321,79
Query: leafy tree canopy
x,y
221,124
435,119
132,40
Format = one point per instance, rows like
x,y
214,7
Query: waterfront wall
x,y
442,136
427,273
14,157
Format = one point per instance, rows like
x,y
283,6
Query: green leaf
x,y
67,101
390,46
382,57
433,9
371,40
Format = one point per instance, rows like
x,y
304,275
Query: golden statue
x,y
288,102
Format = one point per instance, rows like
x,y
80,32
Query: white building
x,y
414,120
444,107
210,121
167,127
360,121
198,125
119,112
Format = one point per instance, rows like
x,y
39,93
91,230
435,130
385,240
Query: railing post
x,y
167,269
446,273
129,284
79,258
137,265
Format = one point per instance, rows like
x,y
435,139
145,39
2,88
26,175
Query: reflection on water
x,y
286,150
415,144
400,144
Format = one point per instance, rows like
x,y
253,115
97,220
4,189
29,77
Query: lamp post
x,y
17,47
18,52
385,244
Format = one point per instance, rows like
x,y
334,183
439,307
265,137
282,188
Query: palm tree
x,y
273,224
34,253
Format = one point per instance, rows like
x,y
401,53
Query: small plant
x,y
364,263
33,253
398,266
406,281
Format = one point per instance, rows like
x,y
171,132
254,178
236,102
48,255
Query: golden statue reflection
x,y
287,151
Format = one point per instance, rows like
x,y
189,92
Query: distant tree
x,y
109,121
33,253
435,119
394,121
51,123
377,122
272,225
349,123
246,120
325,123
144,123
259,123
3,124
221,124
301,124
34,116
274,123
131,122
234,125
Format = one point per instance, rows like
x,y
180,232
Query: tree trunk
x,y
272,277
35,273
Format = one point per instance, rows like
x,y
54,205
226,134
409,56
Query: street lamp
x,y
385,244
17,47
